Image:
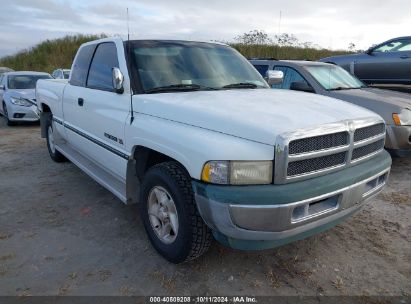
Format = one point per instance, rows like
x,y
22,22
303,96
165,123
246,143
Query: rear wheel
x,y
170,216
51,146
6,115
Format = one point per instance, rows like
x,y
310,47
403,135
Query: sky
x,y
328,23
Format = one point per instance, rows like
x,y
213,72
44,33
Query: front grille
x,y
367,132
315,164
317,143
304,156
367,149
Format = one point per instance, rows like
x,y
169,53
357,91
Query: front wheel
x,y
170,216
6,115
51,145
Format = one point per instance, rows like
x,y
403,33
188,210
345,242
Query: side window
x,y
290,76
104,60
81,65
262,69
401,45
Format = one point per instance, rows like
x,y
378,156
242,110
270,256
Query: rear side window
x,y
80,68
104,60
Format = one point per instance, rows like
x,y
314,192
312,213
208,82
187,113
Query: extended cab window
x,y
104,60
290,76
81,65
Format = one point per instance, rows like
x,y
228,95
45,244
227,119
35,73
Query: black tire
x,y
6,115
54,154
193,237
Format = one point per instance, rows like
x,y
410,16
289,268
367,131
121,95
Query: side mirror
x,y
118,80
2,87
301,86
274,77
369,51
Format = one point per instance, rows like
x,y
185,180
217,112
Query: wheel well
x,y
146,158
45,108
142,159
45,116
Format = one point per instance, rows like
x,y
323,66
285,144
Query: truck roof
x,y
121,40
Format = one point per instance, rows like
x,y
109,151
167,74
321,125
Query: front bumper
x,y
259,217
20,113
398,140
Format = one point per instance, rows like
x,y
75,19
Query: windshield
x,y
24,82
333,77
66,74
178,65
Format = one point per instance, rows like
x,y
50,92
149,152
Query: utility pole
x,y
279,24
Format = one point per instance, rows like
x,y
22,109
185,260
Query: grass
x,y
284,52
59,53
48,55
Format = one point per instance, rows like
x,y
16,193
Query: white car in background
x,y
61,74
17,96
5,70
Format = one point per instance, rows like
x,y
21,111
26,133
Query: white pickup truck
x,y
192,133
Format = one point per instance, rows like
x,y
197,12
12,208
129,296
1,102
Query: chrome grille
x,y
367,132
317,143
298,156
316,164
367,149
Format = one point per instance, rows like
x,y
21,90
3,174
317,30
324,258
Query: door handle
x,y
80,102
404,57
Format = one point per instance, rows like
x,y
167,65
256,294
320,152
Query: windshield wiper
x,y
241,85
179,87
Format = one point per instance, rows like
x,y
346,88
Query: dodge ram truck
x,y
192,133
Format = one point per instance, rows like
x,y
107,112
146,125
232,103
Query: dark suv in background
x,y
385,63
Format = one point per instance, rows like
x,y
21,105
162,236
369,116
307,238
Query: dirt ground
x,y
63,234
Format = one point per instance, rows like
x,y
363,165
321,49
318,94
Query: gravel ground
x,y
63,234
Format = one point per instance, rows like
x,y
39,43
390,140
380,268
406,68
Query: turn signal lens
x,y
396,119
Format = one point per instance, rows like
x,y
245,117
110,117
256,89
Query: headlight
x,y
403,118
238,172
20,102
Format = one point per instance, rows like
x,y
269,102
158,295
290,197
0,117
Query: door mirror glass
x,y
301,86
118,80
274,77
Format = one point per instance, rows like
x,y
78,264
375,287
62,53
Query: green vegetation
x,y
48,55
59,53
284,52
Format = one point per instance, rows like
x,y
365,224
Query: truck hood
x,y
254,114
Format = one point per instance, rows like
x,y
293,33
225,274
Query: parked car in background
x,y
61,74
17,96
386,63
331,80
5,70
194,135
